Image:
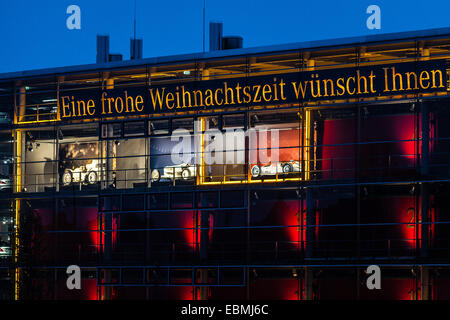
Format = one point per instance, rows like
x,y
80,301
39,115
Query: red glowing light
x,y
403,210
292,216
277,289
190,224
287,149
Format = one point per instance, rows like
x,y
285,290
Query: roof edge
x,y
180,58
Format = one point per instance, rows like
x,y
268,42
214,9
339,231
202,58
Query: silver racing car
x,y
271,169
88,174
184,171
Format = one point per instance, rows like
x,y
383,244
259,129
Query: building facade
x,y
279,172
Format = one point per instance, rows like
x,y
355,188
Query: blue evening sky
x,y
34,35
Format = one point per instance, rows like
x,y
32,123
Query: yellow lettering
x,y
256,97
199,93
441,84
247,94
359,82
109,104
386,84
340,84
184,98
209,98
421,78
128,98
282,89
90,105
157,98
267,89
325,82
371,77
215,97
408,80
65,106
121,105
348,87
139,100
299,88
227,89
170,99
396,75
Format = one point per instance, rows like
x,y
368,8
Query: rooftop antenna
x,y
204,9
135,44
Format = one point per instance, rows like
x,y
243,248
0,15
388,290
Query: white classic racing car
x,y
271,169
85,174
5,252
183,170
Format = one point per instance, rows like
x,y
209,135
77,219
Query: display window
x,y
335,132
38,160
126,163
390,140
320,143
79,163
275,144
173,159
6,231
79,157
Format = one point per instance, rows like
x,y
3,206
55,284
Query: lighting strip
x,y
17,274
307,142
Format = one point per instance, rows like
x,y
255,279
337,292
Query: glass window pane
x,y
135,128
156,127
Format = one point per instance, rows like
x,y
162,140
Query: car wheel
x,y
287,168
91,177
67,178
155,175
256,171
186,174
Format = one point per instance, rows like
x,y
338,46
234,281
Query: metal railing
x,y
143,176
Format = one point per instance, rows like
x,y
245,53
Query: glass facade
x,y
287,200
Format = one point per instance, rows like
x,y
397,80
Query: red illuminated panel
x,y
191,221
286,215
392,144
290,215
392,289
289,142
94,234
190,224
277,289
404,211
403,128
182,293
84,240
88,291
211,227
176,229
174,293
337,158
288,146
432,218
